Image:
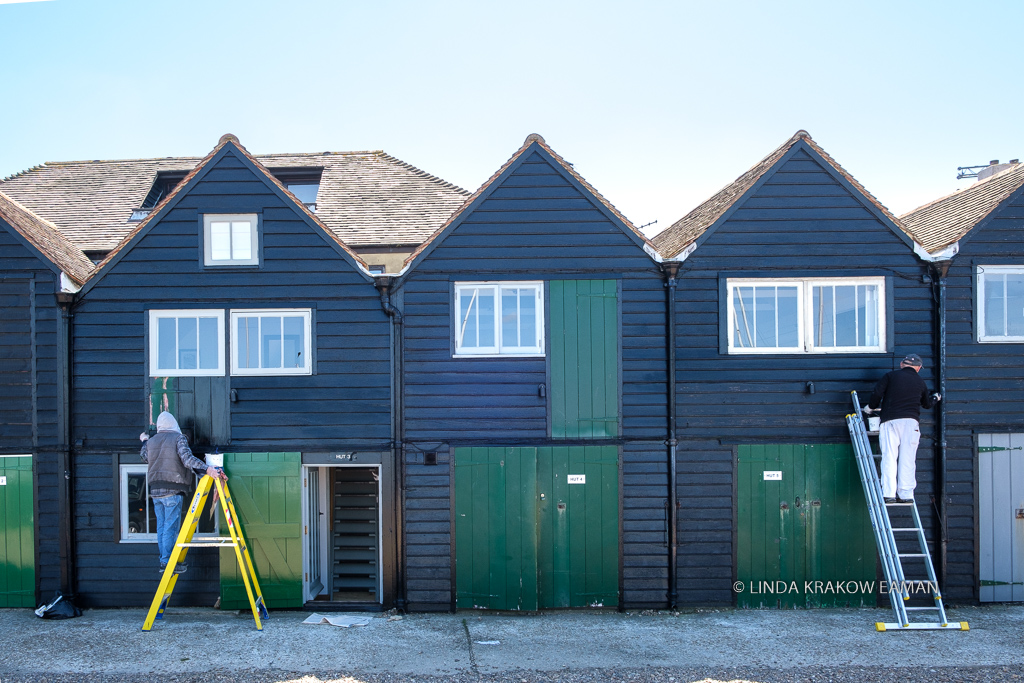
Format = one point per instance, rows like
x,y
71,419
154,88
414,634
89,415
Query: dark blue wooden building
x,y
795,286
533,416
976,237
39,269
234,307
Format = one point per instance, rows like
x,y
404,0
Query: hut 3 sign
x,y
577,479
770,475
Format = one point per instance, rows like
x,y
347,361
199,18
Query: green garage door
x,y
266,490
536,528
17,533
801,517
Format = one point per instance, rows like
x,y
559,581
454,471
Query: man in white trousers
x,y
901,393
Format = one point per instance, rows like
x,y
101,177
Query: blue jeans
x,y
168,522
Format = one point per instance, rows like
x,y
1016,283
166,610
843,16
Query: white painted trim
x,y
944,254
979,272
67,285
652,253
254,236
305,313
27,455
685,253
154,339
499,349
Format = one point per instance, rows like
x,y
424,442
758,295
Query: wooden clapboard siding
x,y
534,224
984,384
344,405
801,222
30,384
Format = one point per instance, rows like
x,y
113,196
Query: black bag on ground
x,y
58,608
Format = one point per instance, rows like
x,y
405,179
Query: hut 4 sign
x,y
576,479
770,475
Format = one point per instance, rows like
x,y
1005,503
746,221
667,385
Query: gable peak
x,y
228,137
534,137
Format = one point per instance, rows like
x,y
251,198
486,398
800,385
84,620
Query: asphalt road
x,y
726,645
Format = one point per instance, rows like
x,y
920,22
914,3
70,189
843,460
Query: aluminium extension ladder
x,y
899,587
184,542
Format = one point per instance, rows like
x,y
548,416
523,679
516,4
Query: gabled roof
x,y
231,143
365,198
532,141
947,220
688,229
47,239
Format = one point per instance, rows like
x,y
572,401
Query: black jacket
x,y
902,393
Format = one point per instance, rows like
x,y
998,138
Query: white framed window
x,y
230,240
811,315
271,342
499,319
186,343
138,518
1000,303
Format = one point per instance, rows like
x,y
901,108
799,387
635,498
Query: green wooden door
x,y
536,528
496,528
803,532
584,324
17,533
266,489
578,515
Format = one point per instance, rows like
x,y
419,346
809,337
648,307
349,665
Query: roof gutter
x,y
944,254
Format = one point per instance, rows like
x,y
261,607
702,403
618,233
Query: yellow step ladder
x,y
184,542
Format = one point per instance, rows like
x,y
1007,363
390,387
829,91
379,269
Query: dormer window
x,y
303,182
231,240
305,193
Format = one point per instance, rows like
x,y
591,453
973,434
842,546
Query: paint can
x,y
874,424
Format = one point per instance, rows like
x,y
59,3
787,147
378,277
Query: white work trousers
x,y
899,440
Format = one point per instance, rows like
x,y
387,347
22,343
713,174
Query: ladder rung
x,y
912,555
920,609
207,544
895,504
908,528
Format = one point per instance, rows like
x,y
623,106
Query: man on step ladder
x,y
170,475
901,394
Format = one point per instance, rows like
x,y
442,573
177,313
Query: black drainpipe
x,y
65,456
670,270
939,271
383,284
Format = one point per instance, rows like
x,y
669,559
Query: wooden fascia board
x,y
989,217
290,202
597,203
464,212
152,220
734,207
33,249
865,202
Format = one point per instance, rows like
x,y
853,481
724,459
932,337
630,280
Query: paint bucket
x,y
874,424
215,460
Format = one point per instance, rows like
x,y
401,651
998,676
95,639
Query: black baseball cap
x,y
912,359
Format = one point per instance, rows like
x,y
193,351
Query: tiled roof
x,y
946,220
224,140
684,232
365,198
45,237
530,139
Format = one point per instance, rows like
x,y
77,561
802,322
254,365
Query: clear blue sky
x,y
658,104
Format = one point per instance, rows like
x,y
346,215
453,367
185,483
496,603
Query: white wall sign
x,y
577,479
772,476
3,481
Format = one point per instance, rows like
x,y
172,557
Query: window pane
x,y
467,330
867,329
220,241
788,316
304,192
166,336
1015,304
246,344
510,317
137,503
995,299
824,308
209,356
764,317
485,321
294,342
241,241
270,341
188,349
528,317
846,315
743,304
